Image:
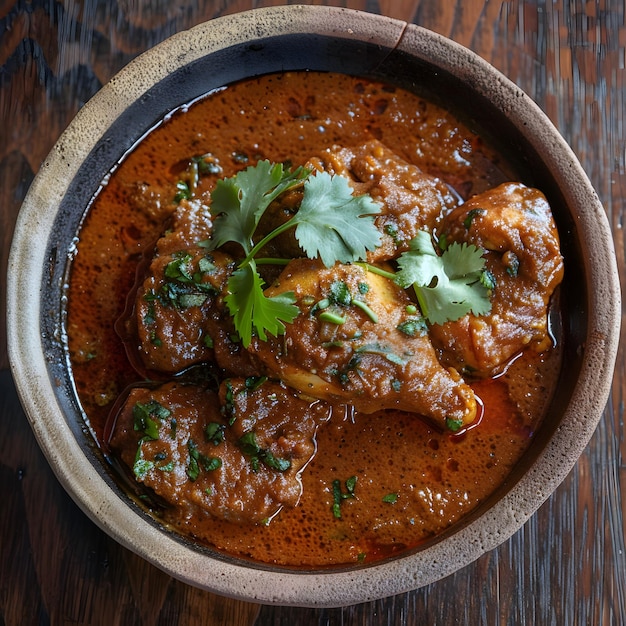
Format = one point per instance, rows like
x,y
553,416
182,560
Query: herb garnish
x,y
214,432
333,225
330,224
147,417
249,446
199,461
447,286
390,498
339,496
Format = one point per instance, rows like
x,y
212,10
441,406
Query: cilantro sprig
x,y
337,227
447,286
331,224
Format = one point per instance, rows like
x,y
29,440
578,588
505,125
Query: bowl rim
x,y
330,588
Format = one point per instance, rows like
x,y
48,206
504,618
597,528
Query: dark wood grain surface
x,y
567,565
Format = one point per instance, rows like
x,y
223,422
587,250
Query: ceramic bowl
x,y
295,38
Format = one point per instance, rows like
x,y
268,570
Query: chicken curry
x,y
311,319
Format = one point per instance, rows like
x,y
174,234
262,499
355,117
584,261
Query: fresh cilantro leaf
x,y
142,466
332,223
147,417
390,498
250,447
447,286
238,203
253,312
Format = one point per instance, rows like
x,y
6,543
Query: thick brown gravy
x,y
412,480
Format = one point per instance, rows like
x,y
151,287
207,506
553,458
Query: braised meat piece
x,y
360,341
172,308
179,312
237,456
411,199
514,224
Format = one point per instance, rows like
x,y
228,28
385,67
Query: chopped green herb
x,y
471,215
447,286
199,461
247,443
142,466
339,495
350,485
147,417
207,164
182,191
273,462
179,268
150,317
193,468
392,231
187,300
228,408
214,432
331,318
340,293
384,350
454,424
249,446
390,498
488,280
366,309
211,463
413,327
511,263
206,266
252,383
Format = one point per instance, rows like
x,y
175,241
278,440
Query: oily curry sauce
x,y
377,484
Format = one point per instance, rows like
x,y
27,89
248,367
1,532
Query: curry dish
x,y
313,319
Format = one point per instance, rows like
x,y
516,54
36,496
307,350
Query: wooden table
x,y
567,565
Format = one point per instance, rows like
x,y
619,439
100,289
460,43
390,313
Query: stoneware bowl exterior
x,y
297,38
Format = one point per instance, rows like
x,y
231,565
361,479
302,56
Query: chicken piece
x,y
359,341
173,305
411,199
237,456
190,224
514,224
178,318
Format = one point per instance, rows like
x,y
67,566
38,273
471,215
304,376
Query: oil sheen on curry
x,y
310,319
